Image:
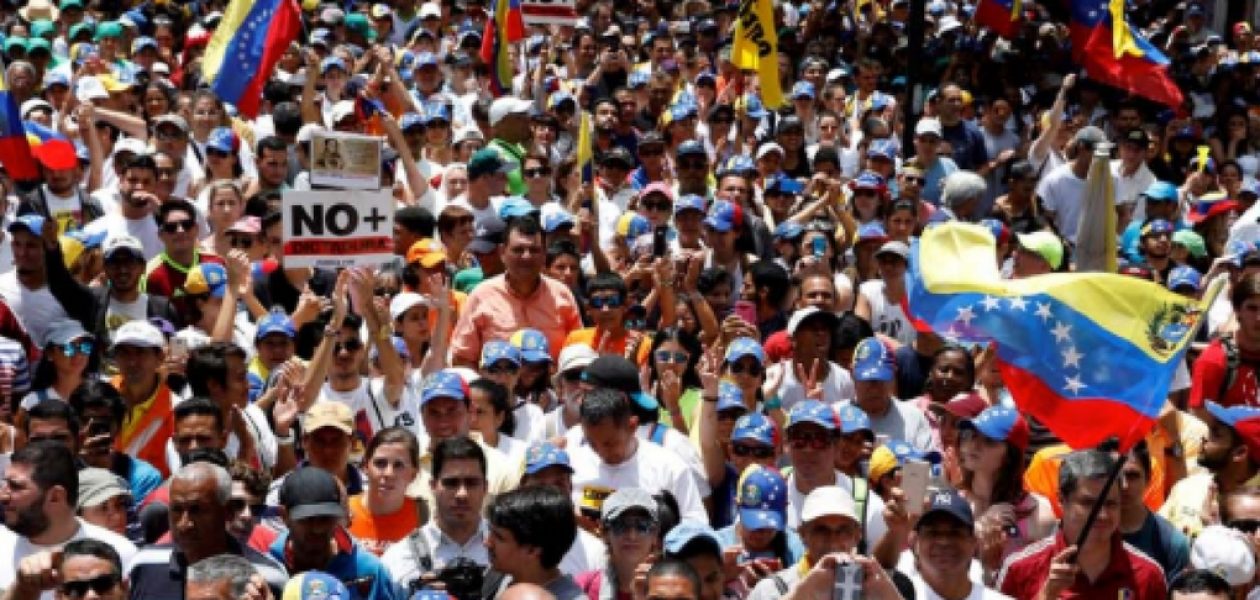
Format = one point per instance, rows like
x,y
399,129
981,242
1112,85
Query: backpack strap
x,y
1232,361
861,494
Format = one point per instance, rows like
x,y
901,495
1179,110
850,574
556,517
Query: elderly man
x,y
962,198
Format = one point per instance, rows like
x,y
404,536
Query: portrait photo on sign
x,y
345,160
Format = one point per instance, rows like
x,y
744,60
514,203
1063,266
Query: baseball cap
x,y
358,23
872,232
882,148
617,156
428,252
1184,276
690,148
576,356
723,216
814,412
631,225
75,243
1136,136
506,106
756,427
487,161
853,419
63,331
1089,135
34,104
404,302
730,397
557,218
761,498
98,486
206,278
328,413
868,180
57,155
619,374
803,89
1001,423
964,405
171,119
332,62
690,532
896,248
223,139
810,312
532,345
948,501
515,207
1192,241
768,148
276,321
311,492
745,346
658,187
1161,191
1226,552
1244,420
828,501
1044,244
543,455
317,585
872,361
494,351
108,29
928,127
123,243
140,334
444,384
753,108
689,202
683,110
626,499
1156,226
788,230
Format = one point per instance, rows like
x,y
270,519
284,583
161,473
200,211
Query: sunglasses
x,y
678,358
639,526
753,451
751,370
73,348
178,226
348,346
913,179
572,375
242,243
813,442
602,302
661,206
502,369
238,505
651,151
537,172
101,585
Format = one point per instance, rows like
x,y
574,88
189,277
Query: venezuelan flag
x,y
1091,355
15,149
585,151
1002,16
1113,53
250,39
504,27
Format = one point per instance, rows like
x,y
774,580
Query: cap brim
x,y
755,518
718,225
1219,413
645,401
533,470
310,511
316,426
942,511
535,356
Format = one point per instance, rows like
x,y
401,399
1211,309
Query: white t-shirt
x,y
512,448
678,445
886,317
651,468
1064,194
530,426
144,229
907,566
14,548
64,209
255,422
372,405
875,525
838,386
120,312
978,591
903,421
35,308
587,553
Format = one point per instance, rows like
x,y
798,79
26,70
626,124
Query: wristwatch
x,y
285,440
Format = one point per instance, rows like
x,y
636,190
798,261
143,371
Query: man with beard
x,y
134,218
120,300
60,197
1231,458
1155,244
39,493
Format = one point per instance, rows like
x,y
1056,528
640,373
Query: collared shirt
x,y
494,312
404,567
359,569
1129,574
159,571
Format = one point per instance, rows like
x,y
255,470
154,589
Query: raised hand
x,y
38,573
811,381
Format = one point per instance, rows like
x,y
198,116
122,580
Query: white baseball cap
x,y
404,302
1226,552
140,334
931,126
576,356
33,104
508,105
130,144
828,501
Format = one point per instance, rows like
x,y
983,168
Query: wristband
x,y
285,440
774,403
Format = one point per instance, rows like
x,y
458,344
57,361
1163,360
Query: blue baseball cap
x,y
1002,424
400,346
90,241
556,219
497,350
425,59
737,165
762,499
872,232
722,216
543,455
206,278
409,120
315,585
854,419
781,184
532,345
868,180
52,78
756,427
690,532
706,75
691,148
32,224
276,321
689,202
516,207
142,43
904,452
815,412
947,501
682,110
1183,276
332,62
753,108
637,80
730,397
1161,191
444,384
1156,227
788,230
872,361
882,148
803,89
745,346
222,139
436,111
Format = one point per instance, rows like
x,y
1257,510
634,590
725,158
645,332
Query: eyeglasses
x,y
455,483
348,346
639,526
678,358
572,375
242,243
502,369
1247,526
753,451
660,206
178,226
817,441
537,172
73,348
100,584
602,302
752,370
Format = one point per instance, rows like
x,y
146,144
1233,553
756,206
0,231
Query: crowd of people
x,y
683,371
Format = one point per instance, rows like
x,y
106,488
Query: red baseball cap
x,y
57,155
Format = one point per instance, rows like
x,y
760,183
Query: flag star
x,y
965,315
990,303
1072,358
1074,384
1062,332
1043,311
1018,303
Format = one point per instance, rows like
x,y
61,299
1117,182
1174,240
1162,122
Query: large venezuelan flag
x,y
250,39
1115,54
1002,16
1091,355
15,150
504,27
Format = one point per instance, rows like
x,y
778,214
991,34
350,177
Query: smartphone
x,y
659,241
848,585
914,483
179,347
819,246
747,311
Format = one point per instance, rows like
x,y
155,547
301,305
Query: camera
x,y
461,579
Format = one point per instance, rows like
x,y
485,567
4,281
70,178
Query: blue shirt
x,y
351,563
1161,541
934,179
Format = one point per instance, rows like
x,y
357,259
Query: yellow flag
x,y
585,152
757,48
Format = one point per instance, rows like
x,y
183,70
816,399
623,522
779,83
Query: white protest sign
x,y
549,12
332,229
345,160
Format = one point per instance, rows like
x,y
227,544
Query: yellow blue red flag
x,y
15,150
248,42
585,152
504,27
1114,53
1090,355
